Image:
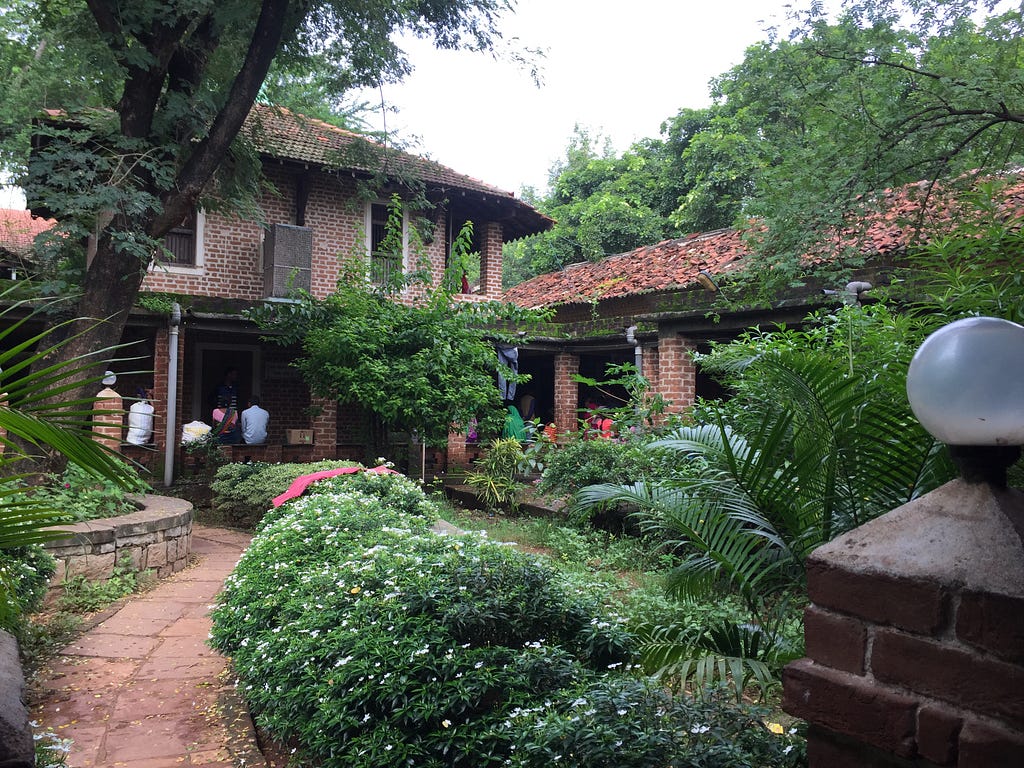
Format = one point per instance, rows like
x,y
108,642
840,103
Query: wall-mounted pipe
x,y
171,442
638,353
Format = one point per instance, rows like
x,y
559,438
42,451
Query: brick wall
x,y
677,372
490,259
232,263
567,393
915,637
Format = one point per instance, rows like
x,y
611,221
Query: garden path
x,y
142,689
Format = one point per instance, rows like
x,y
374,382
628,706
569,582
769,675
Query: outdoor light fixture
x,y
707,281
966,386
109,379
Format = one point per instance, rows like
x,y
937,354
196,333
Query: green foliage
x,y
625,723
578,463
602,205
494,479
84,596
82,496
815,442
24,571
370,640
242,492
422,368
970,269
37,417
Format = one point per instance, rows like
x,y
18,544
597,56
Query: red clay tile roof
x,y
675,264
283,134
663,266
18,230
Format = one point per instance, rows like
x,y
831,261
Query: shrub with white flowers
x,y
367,640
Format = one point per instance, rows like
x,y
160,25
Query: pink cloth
x,y
302,482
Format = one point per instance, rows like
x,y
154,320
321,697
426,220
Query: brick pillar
x,y
325,429
490,259
161,359
108,419
676,373
458,452
567,393
915,637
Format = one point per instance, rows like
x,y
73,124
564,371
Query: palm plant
x,y
34,424
779,476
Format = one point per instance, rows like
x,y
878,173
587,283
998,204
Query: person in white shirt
x,y
254,423
140,419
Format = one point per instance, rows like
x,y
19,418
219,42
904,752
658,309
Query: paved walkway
x,y
142,689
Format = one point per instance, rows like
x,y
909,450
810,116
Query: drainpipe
x,y
172,393
638,354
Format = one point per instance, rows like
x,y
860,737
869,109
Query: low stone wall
x,y
158,537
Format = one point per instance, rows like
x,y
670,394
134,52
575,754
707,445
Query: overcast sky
x,y
614,66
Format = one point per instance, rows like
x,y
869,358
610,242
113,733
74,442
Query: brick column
x,y
677,373
567,393
161,359
490,259
325,429
108,419
915,637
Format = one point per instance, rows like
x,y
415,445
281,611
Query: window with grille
x,y
182,243
386,258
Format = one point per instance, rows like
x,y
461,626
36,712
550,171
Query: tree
x,y
425,368
171,84
809,129
602,204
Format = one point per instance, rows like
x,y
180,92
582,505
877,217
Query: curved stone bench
x,y
158,537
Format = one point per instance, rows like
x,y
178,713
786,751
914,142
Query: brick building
x,y
326,197
655,305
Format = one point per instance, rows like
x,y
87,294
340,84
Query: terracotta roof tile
x,y
282,133
675,264
18,230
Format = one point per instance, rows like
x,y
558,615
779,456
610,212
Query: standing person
x,y
254,423
140,418
225,423
227,390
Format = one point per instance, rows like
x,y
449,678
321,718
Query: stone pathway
x,y
142,689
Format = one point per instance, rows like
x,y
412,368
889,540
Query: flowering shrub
x,y
26,571
369,640
618,722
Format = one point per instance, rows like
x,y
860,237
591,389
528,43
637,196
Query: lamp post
x,y
966,386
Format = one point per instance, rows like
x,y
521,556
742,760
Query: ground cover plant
x,y
367,639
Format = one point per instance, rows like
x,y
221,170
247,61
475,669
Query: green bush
x,y
26,572
590,462
242,492
618,722
82,496
369,640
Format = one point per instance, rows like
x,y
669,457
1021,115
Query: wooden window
x,y
383,261
182,243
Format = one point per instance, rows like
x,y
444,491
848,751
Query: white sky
x,y
614,67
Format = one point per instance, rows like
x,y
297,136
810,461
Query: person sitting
x,y
225,423
254,423
140,418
